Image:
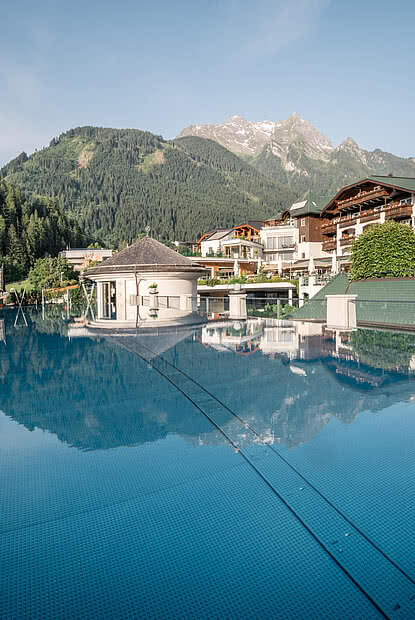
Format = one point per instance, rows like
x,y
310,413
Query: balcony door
x,y
109,300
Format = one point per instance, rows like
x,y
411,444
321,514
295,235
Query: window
x,y
302,238
286,242
109,300
302,223
271,243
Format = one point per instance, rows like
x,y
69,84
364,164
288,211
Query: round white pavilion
x,y
146,285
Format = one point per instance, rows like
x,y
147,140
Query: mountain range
x,y
118,182
296,155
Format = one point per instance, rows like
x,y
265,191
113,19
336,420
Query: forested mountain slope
x,y
117,182
31,228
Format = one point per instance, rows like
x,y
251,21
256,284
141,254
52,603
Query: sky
x,y
347,66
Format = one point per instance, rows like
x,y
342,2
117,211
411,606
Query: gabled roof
x,y
276,217
312,204
403,183
218,234
406,183
257,224
146,254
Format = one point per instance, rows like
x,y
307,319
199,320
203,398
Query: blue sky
x,y
345,65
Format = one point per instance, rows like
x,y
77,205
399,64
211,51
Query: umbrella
x,y
236,268
334,262
311,268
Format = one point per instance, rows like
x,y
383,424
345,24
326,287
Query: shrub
x,y
51,273
384,250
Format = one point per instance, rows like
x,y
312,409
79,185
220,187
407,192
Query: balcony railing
x,y
288,246
369,217
349,221
347,240
376,192
316,279
273,223
329,227
398,211
329,245
393,209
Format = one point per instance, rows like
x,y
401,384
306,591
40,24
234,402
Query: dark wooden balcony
x,y
370,216
347,240
348,221
398,212
329,245
329,227
361,197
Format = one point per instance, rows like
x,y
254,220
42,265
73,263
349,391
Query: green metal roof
x,y
407,183
385,302
314,204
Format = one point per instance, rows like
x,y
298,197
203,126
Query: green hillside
x,y
117,182
31,228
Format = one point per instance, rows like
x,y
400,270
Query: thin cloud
x,y
269,26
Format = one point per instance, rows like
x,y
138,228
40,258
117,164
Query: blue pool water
x,y
256,470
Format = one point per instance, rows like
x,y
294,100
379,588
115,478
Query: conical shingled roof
x,y
147,254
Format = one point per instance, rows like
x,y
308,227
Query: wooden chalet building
x,y
373,200
231,251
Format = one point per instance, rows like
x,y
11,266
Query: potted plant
x,y
152,288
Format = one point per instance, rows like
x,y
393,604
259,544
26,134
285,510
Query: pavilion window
x,y
109,300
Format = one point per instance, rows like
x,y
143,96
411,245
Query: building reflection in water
x,y
287,380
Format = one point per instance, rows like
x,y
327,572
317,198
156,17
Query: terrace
x,y
240,247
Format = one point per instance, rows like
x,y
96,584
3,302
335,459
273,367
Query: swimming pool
x,y
241,470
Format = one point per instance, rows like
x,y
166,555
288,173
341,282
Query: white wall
x,y
310,248
215,245
278,231
181,285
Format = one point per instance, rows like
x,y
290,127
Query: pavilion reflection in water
x,y
288,380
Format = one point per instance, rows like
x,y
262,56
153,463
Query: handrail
x,y
373,211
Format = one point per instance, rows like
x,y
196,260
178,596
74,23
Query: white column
x,y
100,300
341,311
237,306
186,303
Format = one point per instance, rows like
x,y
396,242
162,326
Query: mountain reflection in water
x,y
288,380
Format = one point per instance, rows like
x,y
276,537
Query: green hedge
x,y
384,250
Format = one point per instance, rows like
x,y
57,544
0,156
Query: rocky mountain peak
x,y
236,117
349,143
351,147
245,137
